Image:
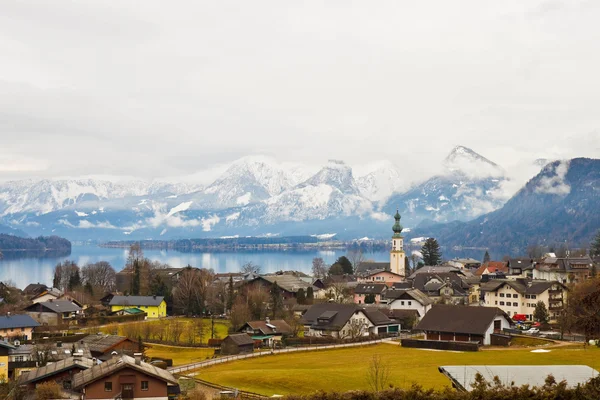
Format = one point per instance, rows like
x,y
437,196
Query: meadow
x,y
179,355
346,369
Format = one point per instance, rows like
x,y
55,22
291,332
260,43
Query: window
x,y
66,385
108,386
501,294
410,303
515,304
501,303
402,303
515,296
496,302
533,296
144,385
19,358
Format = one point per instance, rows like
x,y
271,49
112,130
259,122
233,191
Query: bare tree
x,y
356,257
339,292
319,268
240,314
250,267
191,290
378,373
65,275
356,329
100,275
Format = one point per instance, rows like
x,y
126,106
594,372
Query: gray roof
x,y
55,368
102,343
373,266
522,286
116,364
370,288
462,376
289,283
435,269
404,294
377,317
57,306
136,301
333,316
459,319
240,339
17,321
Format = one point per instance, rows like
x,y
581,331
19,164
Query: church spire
x,y
397,228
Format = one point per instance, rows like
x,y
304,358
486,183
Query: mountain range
x,y
256,196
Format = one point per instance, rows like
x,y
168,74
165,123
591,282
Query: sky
x,y
159,90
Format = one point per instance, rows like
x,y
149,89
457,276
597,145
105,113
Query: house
x,y
153,306
408,299
465,263
289,284
564,270
369,293
268,331
4,348
345,321
47,295
237,343
371,266
17,327
448,287
521,296
491,267
101,346
54,312
463,323
407,319
380,276
125,377
521,267
26,357
61,372
33,289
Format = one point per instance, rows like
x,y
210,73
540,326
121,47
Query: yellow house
x,y
4,347
153,306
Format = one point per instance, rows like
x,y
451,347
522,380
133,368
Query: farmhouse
x,y
153,306
47,295
463,323
101,346
268,331
408,299
345,321
127,378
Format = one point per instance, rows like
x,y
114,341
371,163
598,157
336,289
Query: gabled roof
x,y
54,368
522,286
116,364
278,326
148,301
329,316
289,283
492,266
240,339
459,319
103,343
34,288
436,269
370,288
17,321
57,306
376,317
50,291
414,294
373,266
432,283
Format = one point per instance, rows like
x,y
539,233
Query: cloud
x,y
208,223
554,184
380,216
161,218
85,224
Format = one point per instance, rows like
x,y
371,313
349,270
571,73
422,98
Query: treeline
x,y
40,244
190,244
481,390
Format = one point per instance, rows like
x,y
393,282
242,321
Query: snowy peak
x,y
381,181
462,160
335,174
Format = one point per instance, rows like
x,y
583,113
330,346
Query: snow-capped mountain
x,y
470,186
382,180
335,174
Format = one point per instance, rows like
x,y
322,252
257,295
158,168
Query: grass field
x,y
179,355
345,369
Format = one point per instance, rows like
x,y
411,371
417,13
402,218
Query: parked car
x,y
531,331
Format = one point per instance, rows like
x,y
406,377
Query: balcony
x,y
555,292
555,300
555,307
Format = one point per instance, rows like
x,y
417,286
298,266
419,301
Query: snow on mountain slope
x,y
465,161
335,174
382,179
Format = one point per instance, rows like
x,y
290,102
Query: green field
x,y
345,369
179,355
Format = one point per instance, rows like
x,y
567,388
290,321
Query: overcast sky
x,y
160,89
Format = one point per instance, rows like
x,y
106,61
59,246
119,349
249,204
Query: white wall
x,y
504,324
414,305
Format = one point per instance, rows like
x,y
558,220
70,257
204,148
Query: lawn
x,y
179,355
172,330
345,369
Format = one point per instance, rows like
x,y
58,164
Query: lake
x,y
23,271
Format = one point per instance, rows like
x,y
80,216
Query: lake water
x,y
23,271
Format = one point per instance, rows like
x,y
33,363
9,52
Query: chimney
x,y
268,320
138,358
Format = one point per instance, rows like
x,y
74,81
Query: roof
x,y
522,286
436,269
240,339
289,283
377,317
432,283
102,343
565,264
459,319
333,316
34,288
373,266
17,321
55,353
136,301
116,364
276,326
463,376
55,368
414,294
57,306
370,288
492,266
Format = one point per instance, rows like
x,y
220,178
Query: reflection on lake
x,y
23,271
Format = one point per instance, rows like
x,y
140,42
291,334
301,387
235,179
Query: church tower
x,y
397,256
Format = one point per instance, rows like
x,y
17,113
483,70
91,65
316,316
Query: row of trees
x,y
96,278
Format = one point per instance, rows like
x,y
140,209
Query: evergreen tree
x,y
593,271
310,295
370,298
540,314
300,296
407,269
336,269
74,280
595,246
432,255
89,289
346,265
230,294
276,299
486,257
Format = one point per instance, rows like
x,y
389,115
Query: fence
x,y
221,360
440,345
241,393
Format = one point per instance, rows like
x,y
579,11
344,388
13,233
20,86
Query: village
x,y
79,341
